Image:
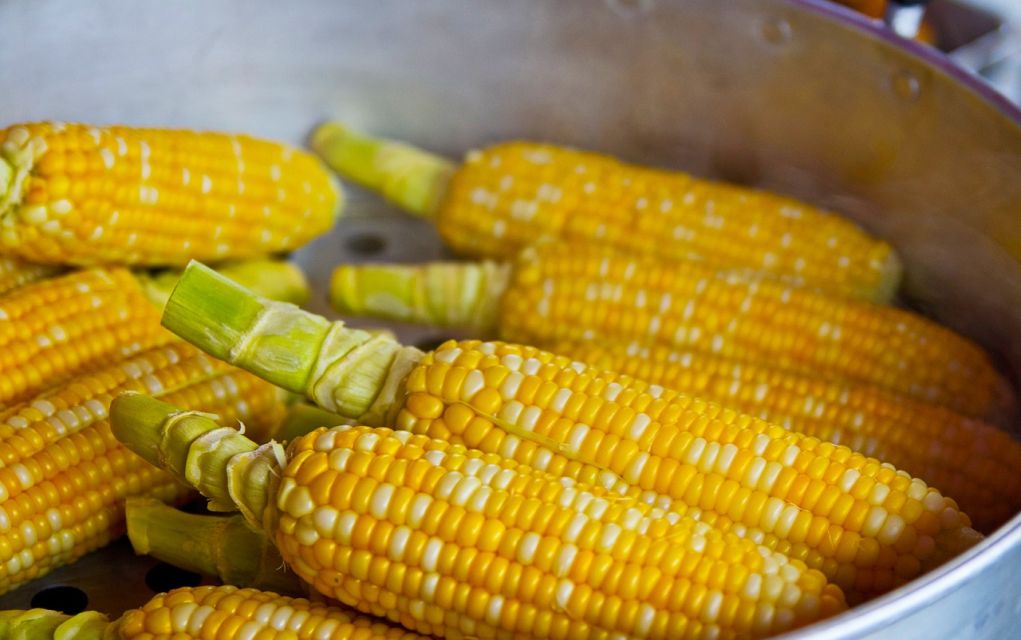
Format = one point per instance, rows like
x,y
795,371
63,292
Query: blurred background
x,y
984,36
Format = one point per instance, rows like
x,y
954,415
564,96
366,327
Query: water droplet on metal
x,y
906,85
777,31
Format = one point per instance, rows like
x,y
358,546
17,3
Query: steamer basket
x,y
792,95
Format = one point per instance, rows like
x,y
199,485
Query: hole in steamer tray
x,y
164,577
65,599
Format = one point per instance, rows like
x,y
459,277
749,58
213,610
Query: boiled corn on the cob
x,y
506,197
206,613
569,292
57,328
15,272
64,477
77,194
453,542
970,461
868,526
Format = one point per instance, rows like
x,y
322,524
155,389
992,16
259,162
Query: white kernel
x,y
431,554
380,502
892,530
577,436
398,543
917,490
559,401
527,546
416,511
325,519
575,527
473,383
771,513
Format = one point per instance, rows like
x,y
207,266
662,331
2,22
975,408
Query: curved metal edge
x,y
955,574
923,52
918,594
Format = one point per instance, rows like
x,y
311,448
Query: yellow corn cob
x,y
15,273
64,477
77,194
510,195
866,525
584,293
58,328
453,542
970,461
207,613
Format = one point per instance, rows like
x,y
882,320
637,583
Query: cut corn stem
x,y
289,347
412,178
223,547
171,438
447,294
200,613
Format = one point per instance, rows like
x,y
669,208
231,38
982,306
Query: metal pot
x,y
796,96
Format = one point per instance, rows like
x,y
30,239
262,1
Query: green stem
x,y
275,279
303,418
43,624
414,179
225,466
447,294
353,373
221,546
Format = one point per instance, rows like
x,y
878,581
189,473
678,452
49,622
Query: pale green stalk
x,y
446,294
350,372
411,178
224,547
235,473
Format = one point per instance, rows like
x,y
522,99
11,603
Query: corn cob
x,y
866,525
970,461
221,546
206,613
450,541
83,195
564,292
15,273
510,195
64,477
58,328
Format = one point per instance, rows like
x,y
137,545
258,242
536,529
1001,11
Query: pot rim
x,y
955,574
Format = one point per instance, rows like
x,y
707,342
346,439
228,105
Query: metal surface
x,y
790,96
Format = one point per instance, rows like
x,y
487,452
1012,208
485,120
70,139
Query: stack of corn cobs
x,y
707,420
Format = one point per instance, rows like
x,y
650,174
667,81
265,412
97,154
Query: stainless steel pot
x,y
793,95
